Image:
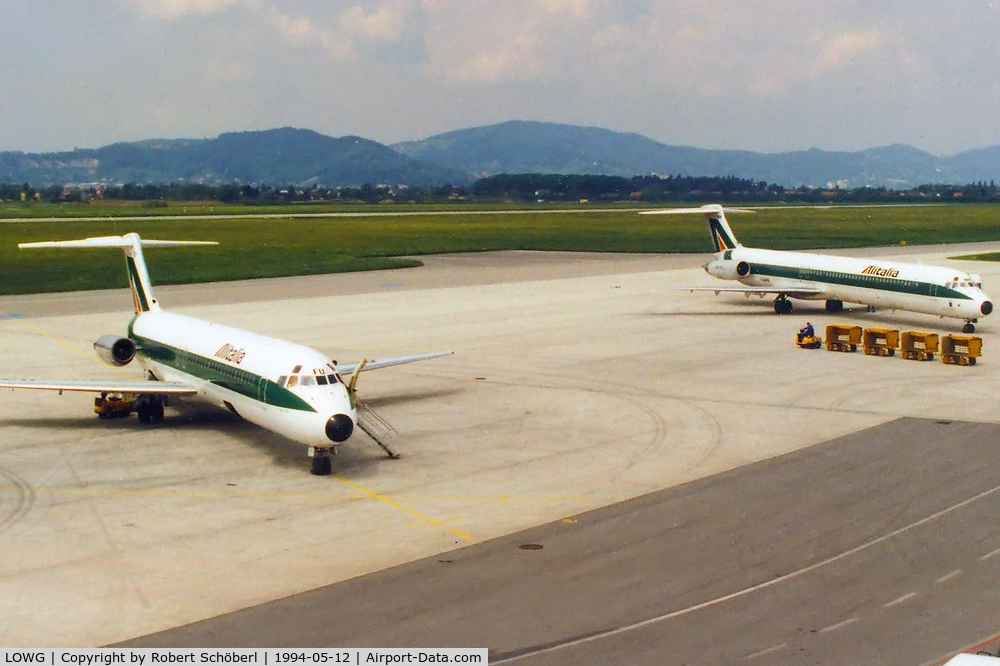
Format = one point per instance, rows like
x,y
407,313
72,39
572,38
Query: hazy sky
x,y
765,75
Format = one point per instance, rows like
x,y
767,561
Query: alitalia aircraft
x,y
894,285
281,386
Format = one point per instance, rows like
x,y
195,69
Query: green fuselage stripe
x,y
221,374
898,285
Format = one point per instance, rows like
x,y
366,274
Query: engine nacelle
x,y
115,350
728,270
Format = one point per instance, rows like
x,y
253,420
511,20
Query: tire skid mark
x,y
17,498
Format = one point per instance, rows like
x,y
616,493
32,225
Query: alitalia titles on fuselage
x,y
878,271
230,353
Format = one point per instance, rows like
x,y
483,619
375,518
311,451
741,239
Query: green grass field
x,y
298,246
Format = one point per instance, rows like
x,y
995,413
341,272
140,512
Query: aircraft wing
x,y
101,386
376,363
797,292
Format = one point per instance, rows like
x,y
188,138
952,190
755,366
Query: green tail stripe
x,y
141,300
723,241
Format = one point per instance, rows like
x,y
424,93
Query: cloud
x,y
516,60
384,24
850,47
176,9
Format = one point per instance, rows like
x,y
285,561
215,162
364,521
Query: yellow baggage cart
x,y
918,346
961,349
842,338
880,341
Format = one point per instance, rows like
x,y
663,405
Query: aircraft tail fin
x,y
135,264
722,235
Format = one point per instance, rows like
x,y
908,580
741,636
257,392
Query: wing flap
x,y
101,386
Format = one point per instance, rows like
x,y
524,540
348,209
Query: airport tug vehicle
x,y
808,341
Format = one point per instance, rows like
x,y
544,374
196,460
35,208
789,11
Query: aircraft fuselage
x,y
282,386
936,290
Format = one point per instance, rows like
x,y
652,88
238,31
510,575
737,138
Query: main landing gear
x,y
149,408
834,305
782,305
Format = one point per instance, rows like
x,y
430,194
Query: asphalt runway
x,y
579,382
827,555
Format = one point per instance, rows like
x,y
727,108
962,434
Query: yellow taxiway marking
x,y
396,505
67,345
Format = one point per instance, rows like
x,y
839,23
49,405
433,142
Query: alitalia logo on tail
x,y
878,271
721,235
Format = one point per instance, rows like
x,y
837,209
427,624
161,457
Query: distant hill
x,y
281,156
536,147
303,157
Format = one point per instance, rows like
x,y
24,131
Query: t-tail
x,y
135,264
722,236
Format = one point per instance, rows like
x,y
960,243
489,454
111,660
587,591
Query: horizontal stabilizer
x,y
709,209
112,241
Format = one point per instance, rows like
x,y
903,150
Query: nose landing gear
x,y
322,465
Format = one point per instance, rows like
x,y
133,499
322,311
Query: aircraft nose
x,y
986,307
339,427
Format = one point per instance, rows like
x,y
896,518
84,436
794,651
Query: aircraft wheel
x,y
782,306
969,327
143,413
156,411
834,305
321,464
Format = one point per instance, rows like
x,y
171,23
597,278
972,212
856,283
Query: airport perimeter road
x,y
876,548
578,382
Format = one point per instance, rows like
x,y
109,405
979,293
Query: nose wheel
x,y
969,327
322,464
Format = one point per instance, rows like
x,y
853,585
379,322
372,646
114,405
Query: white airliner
x,y
935,290
281,386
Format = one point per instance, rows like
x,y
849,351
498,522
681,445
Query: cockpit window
x,y
307,380
293,381
321,380
282,379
